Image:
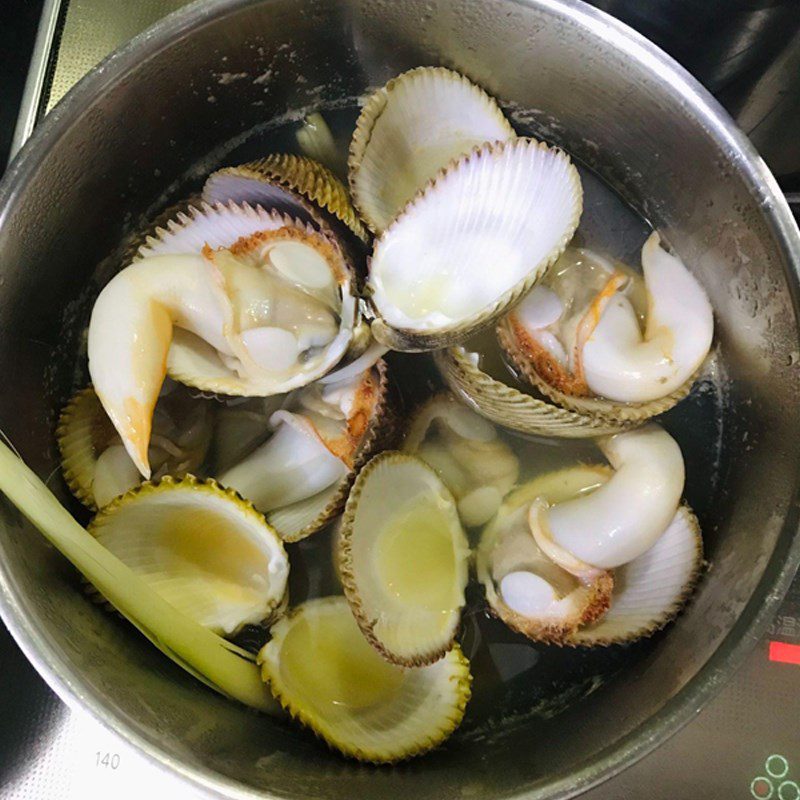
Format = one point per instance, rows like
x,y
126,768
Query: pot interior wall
x,y
175,113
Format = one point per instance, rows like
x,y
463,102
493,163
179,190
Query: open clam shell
x,y
594,409
94,461
472,243
518,410
367,429
408,130
600,339
523,587
403,559
464,449
650,591
643,596
203,549
286,183
195,362
323,672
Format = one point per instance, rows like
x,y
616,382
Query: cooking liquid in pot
x,y
513,678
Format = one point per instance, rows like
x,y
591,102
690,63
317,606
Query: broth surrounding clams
x,y
240,299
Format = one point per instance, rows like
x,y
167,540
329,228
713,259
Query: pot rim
x,y
783,563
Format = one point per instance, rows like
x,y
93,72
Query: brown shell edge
x,y
592,407
508,407
407,340
347,575
558,634
381,435
463,692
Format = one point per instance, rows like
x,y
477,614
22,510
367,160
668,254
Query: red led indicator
x,y
762,789
784,653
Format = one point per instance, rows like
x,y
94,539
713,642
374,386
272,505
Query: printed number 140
x,y
107,760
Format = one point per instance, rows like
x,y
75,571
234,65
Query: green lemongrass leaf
x,y
216,662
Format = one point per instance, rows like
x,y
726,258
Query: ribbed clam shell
x,y
130,250
278,178
85,434
651,590
472,243
409,130
219,225
422,708
82,422
389,488
508,533
596,408
198,545
511,408
301,519
191,360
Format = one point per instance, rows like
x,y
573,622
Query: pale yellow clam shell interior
x,y
326,675
202,548
404,559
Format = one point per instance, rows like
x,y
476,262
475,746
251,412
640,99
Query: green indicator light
x,y
762,789
776,766
789,790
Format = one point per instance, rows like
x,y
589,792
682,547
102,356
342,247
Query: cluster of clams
x,y
245,341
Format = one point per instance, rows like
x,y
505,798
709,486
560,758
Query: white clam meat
x,y
581,330
314,443
293,465
466,452
233,300
526,589
622,519
623,363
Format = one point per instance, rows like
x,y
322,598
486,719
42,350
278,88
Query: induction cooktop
x,y
745,743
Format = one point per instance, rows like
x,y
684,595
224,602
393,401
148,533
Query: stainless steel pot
x,y
151,113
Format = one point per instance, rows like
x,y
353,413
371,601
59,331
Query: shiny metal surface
x,y
90,33
145,119
37,74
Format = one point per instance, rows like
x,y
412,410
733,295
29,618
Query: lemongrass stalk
x,y
219,664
